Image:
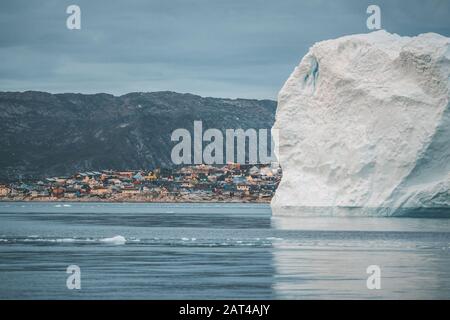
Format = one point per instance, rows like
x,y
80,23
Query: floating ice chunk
x,y
115,240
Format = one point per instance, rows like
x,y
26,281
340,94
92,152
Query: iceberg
x,y
363,126
116,240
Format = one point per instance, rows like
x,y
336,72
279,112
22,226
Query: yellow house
x,y
151,177
100,191
4,190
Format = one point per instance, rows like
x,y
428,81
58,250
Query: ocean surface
x,y
216,251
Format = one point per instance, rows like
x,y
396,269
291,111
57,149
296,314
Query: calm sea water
x,y
215,251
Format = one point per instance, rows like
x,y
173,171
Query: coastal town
x,y
232,182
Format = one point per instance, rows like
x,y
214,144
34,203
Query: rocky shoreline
x,y
141,199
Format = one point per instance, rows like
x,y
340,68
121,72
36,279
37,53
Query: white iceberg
x,y
364,122
117,240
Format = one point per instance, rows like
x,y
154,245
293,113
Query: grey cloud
x,y
229,48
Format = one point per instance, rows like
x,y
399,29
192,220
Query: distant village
x,y
199,183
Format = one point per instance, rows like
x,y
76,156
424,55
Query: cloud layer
x,y
231,48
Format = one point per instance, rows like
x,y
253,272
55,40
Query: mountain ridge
x,y
45,134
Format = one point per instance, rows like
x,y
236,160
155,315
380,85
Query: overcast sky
x,y
220,48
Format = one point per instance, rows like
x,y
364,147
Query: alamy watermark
x,y
374,280
374,20
74,279
73,21
241,146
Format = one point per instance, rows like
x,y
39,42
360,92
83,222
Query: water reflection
x,y
226,251
327,258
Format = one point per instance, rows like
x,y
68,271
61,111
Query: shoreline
x,y
169,201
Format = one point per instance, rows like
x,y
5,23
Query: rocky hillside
x,y
47,134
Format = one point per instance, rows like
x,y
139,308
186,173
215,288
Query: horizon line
x,y
137,92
